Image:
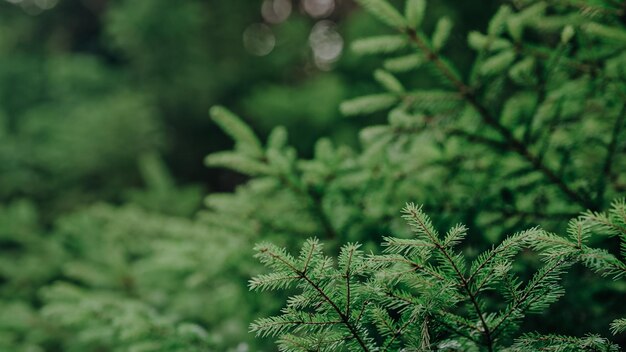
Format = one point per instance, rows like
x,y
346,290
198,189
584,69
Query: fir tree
x,y
581,231
530,133
421,294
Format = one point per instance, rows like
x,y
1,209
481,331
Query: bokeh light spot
x,y
258,39
318,8
276,11
34,7
326,43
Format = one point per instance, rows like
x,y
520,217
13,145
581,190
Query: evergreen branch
x,y
580,67
414,317
315,205
399,331
348,281
414,266
618,326
513,143
587,8
604,263
544,241
300,322
509,243
456,331
360,316
443,314
238,130
400,298
600,219
308,258
306,345
477,138
528,292
418,218
344,318
318,210
271,281
537,342
459,320
400,311
383,320
543,55
577,229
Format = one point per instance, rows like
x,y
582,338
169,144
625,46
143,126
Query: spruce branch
x,y
396,333
537,342
421,286
618,326
503,253
512,142
314,204
540,291
270,256
422,224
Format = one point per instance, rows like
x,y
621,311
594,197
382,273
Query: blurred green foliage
x,y
105,244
